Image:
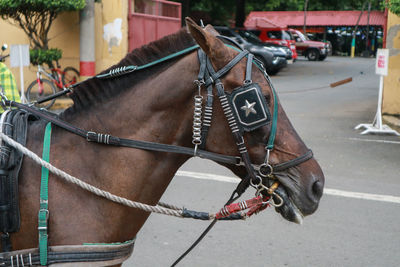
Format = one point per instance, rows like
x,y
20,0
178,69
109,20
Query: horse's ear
x,y
206,39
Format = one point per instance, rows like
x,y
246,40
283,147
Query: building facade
x,y
391,92
111,37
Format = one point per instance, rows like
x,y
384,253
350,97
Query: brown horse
x,y
154,104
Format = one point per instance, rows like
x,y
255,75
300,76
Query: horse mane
x,y
95,91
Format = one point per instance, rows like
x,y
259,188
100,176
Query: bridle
x,y
245,109
261,177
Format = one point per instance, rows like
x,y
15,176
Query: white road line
x,y
376,141
328,191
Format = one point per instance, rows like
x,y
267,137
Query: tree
x,y
221,12
273,5
394,6
35,17
240,13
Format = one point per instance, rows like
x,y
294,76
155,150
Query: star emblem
x,y
249,108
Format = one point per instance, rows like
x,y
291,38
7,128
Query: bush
x,y
40,56
394,6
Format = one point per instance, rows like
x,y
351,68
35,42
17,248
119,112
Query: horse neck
x,y
158,109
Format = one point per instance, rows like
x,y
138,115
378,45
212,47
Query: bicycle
x,y
57,79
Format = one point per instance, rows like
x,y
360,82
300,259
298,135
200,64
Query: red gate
x,y
149,20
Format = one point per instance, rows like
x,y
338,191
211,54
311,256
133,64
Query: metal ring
x,y
265,170
246,82
256,185
272,201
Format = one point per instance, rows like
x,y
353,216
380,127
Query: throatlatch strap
x,y
271,139
44,197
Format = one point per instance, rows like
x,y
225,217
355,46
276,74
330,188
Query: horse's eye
x,y
267,99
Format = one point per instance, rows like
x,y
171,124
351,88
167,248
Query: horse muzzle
x,y
301,190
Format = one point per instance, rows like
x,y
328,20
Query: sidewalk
x,y
392,121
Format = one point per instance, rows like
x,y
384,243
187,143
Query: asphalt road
x,y
357,223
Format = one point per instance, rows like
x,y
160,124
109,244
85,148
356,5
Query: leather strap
x,y
208,109
112,140
44,197
249,66
216,75
86,255
294,162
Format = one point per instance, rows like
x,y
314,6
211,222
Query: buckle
x,y
45,211
91,136
239,161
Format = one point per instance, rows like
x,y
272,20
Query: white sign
x,y
382,62
19,56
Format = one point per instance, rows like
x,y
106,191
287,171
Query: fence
x,y
149,20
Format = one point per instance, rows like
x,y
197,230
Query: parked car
x,y
277,36
273,61
277,49
313,50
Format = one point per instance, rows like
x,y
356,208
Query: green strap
x,y
271,139
44,197
131,68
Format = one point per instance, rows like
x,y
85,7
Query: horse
x,y
156,105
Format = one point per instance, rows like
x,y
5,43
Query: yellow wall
x,y
391,92
64,34
106,13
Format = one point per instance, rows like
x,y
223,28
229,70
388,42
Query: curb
x,y
392,121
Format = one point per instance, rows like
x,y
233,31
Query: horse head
x,y
288,160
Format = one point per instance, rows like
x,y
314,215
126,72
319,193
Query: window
x,y
255,32
275,35
225,32
286,36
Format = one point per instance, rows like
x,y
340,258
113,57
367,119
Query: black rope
x,y
205,232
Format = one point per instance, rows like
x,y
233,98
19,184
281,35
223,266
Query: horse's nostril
x,y
317,188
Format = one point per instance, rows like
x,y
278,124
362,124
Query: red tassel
x,y
254,203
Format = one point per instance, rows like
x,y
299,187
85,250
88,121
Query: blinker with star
x,y
249,108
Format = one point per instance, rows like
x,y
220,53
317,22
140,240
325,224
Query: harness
x,y
13,123
245,110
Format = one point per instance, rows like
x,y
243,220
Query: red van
x,y
277,36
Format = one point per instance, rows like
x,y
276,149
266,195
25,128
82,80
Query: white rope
x,y
87,186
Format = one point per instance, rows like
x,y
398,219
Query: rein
x,y
146,145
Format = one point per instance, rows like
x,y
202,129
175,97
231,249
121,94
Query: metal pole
x,y
353,41
379,109
367,39
87,41
305,17
21,75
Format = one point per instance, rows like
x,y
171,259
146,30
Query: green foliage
x,y
48,56
223,11
8,7
286,5
219,11
394,6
